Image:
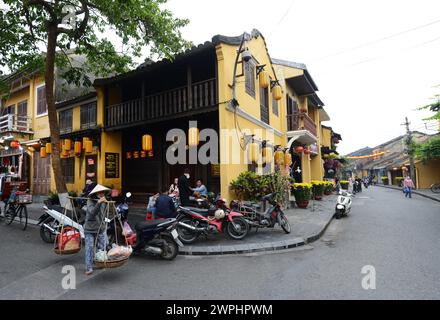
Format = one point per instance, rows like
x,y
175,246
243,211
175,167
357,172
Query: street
x,y
399,237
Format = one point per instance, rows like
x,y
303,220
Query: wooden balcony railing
x,y
179,100
301,121
15,123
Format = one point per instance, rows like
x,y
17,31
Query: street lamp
x,y
246,56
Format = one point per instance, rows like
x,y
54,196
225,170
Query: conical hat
x,y
99,188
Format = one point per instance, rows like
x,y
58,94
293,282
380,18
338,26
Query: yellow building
x,y
162,99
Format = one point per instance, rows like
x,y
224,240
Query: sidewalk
x,y
308,225
427,193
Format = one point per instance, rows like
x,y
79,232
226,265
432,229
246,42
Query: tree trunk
x,y
60,184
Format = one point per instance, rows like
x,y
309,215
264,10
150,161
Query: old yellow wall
x,y
226,58
316,161
428,173
110,142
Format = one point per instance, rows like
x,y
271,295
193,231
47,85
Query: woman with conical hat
x,y
94,225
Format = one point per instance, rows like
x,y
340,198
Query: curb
x,y
253,247
415,192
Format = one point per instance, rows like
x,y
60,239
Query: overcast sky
x,y
367,91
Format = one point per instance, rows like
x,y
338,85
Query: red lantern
x,y
143,154
299,149
15,144
136,154
128,155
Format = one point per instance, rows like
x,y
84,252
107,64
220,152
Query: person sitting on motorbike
x,y
165,207
94,225
151,207
201,188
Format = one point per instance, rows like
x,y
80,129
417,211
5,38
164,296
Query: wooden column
x,y
143,104
189,86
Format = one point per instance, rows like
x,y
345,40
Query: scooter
x,y
194,222
157,237
343,206
267,219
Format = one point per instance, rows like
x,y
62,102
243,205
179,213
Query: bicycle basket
x,y
24,198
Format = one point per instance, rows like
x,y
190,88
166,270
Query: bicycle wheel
x,y
435,188
23,215
10,214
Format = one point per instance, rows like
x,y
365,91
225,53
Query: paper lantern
x,y
150,154
277,94
267,155
15,144
43,153
65,153
147,142
88,146
143,154
84,139
279,158
253,151
67,144
299,149
264,79
193,137
136,154
48,148
288,159
77,148
128,155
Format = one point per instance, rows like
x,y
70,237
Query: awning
x,y
303,85
323,115
301,136
30,142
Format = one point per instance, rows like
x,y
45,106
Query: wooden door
x,y
41,175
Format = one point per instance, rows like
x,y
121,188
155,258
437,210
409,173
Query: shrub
x,y
385,180
302,191
399,180
328,187
344,184
318,187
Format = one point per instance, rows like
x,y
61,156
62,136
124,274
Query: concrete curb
x,y
415,192
253,247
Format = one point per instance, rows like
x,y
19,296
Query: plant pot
x,y
303,204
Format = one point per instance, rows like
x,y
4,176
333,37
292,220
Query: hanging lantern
x,y
253,150
404,168
147,142
150,154
264,79
48,148
43,153
89,146
193,137
128,155
84,142
15,144
299,149
77,148
65,153
279,157
143,154
267,155
67,144
288,159
276,91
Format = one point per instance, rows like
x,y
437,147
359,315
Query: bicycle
x,y
16,206
435,188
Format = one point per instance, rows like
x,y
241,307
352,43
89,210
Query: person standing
x,y
408,185
185,190
94,228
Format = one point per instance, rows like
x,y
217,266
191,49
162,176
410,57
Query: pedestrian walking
x,y
408,185
93,226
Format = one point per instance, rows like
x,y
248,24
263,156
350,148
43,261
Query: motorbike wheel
x,y
338,214
284,223
170,250
436,188
45,234
185,235
242,226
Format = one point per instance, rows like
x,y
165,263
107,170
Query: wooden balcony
x,y
15,123
162,105
301,121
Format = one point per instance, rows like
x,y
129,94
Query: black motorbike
x,y
157,237
267,219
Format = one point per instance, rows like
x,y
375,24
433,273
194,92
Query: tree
x,y
428,150
37,34
435,107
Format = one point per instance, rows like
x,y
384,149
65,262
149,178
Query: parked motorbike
x,y
194,222
343,205
158,237
50,221
267,219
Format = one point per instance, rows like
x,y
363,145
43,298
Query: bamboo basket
x,y
108,264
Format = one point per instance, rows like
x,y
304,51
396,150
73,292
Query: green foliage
x,y
136,26
385,180
428,150
302,191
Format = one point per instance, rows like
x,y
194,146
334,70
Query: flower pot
x,y
303,204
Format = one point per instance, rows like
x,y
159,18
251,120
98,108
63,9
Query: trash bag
x,y
127,230
119,252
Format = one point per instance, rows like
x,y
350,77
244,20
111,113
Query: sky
x,y
374,61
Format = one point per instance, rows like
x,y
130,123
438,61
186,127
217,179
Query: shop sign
x,y
111,165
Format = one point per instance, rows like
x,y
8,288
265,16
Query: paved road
x,y
399,237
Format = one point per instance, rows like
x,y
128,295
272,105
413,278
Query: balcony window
x,y
249,74
88,115
22,120
41,101
66,121
68,169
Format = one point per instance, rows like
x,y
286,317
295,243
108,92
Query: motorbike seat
x,y
148,224
202,212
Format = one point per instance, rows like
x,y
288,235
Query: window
x,y
68,169
249,74
88,115
8,110
264,104
22,121
66,121
41,101
292,106
274,106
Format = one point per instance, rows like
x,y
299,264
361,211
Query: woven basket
x,y
111,263
66,252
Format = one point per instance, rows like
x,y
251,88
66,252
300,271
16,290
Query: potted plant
x,y
385,180
328,188
344,184
303,194
399,181
318,189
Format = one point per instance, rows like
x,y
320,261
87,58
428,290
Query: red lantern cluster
x,y
15,144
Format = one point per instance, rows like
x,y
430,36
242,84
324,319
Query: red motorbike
x,y
194,222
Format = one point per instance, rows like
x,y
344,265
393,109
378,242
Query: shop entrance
x,y
41,184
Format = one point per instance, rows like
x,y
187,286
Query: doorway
x,y
41,185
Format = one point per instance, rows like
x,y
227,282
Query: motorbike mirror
x,y
128,194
